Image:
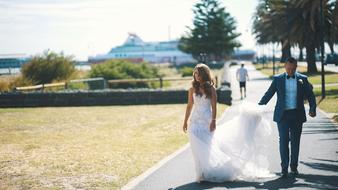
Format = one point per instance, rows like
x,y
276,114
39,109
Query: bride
x,y
231,148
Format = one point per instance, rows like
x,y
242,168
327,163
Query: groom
x,y
291,88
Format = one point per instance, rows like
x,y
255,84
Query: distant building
x,y
13,60
136,50
248,55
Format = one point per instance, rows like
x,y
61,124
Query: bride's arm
x,y
214,109
188,109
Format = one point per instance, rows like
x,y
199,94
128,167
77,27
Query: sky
x,y
89,27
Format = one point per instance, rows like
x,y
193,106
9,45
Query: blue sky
x,y
89,27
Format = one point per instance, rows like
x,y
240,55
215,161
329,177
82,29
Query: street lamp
x,y
268,9
322,47
273,59
203,57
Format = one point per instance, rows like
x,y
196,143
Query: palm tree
x,y
332,29
297,22
271,25
307,27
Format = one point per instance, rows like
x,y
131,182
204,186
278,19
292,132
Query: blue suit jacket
x,y
304,91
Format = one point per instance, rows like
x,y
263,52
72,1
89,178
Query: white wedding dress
x,y
235,150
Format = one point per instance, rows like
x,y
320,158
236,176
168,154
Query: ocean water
x,y
6,71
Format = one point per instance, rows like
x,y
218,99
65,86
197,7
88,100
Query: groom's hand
x,y
312,114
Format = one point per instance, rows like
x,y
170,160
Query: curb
x,y
134,182
327,115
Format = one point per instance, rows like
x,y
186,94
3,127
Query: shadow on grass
x,y
335,118
318,73
320,100
333,93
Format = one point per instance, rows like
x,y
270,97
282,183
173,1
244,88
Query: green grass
x,y
330,77
330,103
86,147
331,91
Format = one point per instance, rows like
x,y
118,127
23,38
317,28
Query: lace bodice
x,y
201,112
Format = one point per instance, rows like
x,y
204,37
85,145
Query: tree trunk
x,y
311,59
286,52
301,56
331,45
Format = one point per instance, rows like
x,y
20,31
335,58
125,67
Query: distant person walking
x,y
242,76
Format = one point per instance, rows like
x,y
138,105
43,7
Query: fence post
x,y
161,82
43,87
66,85
104,83
216,81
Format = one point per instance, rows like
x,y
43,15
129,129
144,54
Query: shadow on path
x,y
302,180
321,166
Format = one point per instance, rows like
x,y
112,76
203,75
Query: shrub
x,y
8,84
48,67
4,86
186,71
123,69
78,86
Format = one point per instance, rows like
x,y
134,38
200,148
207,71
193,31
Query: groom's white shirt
x,y
290,92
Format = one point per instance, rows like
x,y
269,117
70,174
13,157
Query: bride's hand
x,y
185,127
212,125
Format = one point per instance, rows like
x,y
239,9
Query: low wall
x,y
103,97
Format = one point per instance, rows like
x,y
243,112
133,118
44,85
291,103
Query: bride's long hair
x,y
206,80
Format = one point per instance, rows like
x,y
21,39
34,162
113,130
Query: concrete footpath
x,y
318,165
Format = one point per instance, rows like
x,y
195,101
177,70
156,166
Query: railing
x,y
40,86
65,85
160,80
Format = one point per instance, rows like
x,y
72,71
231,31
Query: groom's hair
x,y
291,60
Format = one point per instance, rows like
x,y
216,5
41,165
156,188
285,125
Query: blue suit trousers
x,y
289,129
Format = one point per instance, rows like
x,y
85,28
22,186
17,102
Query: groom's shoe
x,y
294,171
284,174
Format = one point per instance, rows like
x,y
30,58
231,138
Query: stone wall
x,y
103,97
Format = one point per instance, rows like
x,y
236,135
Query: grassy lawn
x,y
330,103
86,147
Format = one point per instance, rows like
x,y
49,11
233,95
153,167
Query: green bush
x,y
123,69
48,67
186,71
78,86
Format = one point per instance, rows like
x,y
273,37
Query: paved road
x,y
318,154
